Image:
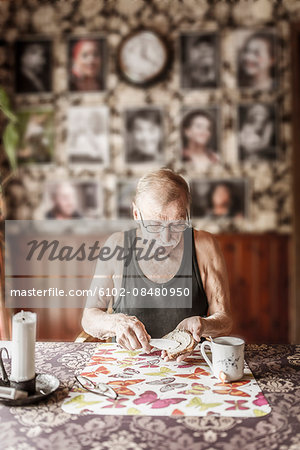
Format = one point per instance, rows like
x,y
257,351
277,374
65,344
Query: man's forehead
x,y
152,209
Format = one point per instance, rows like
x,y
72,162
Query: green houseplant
x,y
10,141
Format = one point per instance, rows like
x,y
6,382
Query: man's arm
x,y
129,331
215,281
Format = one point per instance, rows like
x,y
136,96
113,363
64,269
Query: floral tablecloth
x,y
46,426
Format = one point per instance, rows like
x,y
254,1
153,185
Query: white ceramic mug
x,y
227,357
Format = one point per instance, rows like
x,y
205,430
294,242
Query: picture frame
x,y
87,63
257,53
223,198
144,135
33,63
200,128
199,55
258,131
88,135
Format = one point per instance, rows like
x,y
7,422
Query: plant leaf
x,y
5,106
11,142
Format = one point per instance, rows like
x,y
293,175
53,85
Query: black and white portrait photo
x,y
257,59
88,135
87,64
199,60
125,196
257,136
68,199
144,135
220,198
200,137
33,66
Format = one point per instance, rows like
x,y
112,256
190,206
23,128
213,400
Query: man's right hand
x,y
131,333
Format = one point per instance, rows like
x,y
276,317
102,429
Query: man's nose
x,y
166,234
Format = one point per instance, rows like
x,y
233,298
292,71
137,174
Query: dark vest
x,y
162,313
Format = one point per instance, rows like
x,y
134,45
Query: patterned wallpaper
x,y
268,182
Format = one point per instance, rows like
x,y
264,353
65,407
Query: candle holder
x,y
38,388
25,385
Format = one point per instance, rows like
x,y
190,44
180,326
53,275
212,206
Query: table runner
x,y
149,386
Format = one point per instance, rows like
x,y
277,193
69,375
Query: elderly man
x,y
161,208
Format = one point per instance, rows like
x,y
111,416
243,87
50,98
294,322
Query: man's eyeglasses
x,y
174,227
96,388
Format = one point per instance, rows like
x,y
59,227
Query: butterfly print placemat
x,y
149,386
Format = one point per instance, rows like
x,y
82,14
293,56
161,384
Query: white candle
x,y
23,346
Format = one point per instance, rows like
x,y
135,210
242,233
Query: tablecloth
x,y
46,426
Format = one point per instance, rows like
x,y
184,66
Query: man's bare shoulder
x,y
206,243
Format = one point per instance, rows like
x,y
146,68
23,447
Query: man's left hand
x,y
195,327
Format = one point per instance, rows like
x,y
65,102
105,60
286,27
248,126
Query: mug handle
x,y
203,345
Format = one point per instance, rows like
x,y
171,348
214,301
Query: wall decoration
x,y
216,199
258,130
125,195
37,135
270,199
199,60
143,57
71,199
33,66
200,137
88,135
257,59
144,135
87,64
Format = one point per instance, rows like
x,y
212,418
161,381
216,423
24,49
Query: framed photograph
x,y
88,135
220,198
69,199
257,132
33,66
199,129
87,64
36,136
125,195
257,59
144,135
199,60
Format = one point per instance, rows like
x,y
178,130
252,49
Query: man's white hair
x,y
165,186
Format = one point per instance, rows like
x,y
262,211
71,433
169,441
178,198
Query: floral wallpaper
x,y
269,182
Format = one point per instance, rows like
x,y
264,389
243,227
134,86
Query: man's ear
x,y
135,211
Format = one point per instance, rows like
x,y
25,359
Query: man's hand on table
x,y
194,326
131,333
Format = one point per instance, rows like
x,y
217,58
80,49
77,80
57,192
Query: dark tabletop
x,y
46,426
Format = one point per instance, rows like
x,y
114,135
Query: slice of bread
x,y
186,343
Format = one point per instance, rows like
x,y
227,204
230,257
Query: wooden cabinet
x,y
259,277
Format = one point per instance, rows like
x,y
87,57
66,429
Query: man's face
x,y
154,214
65,200
146,136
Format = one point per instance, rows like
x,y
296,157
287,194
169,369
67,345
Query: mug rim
x,y
238,341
